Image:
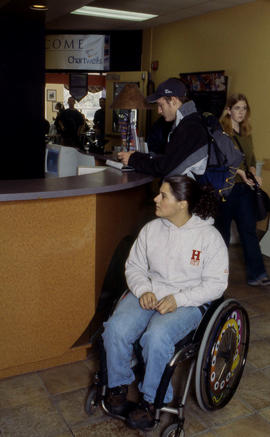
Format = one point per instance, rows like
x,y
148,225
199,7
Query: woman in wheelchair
x,y
178,263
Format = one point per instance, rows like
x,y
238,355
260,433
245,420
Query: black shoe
x,y
143,417
117,403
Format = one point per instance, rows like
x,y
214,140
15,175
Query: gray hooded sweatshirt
x,y
190,262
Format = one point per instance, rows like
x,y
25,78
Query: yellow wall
x,y
50,114
234,39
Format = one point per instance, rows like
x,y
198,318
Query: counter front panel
x,y
54,255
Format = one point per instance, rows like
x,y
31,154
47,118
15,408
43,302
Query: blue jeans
x,y
158,335
240,207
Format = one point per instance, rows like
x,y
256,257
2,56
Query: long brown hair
x,y
225,119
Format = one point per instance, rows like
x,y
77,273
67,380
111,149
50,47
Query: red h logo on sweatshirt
x,y
195,258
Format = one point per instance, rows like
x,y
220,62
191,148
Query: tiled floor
x,y
50,403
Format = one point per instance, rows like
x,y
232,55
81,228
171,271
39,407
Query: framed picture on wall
x,y
208,89
51,95
53,107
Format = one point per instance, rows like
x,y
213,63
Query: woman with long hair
x,y
240,205
178,264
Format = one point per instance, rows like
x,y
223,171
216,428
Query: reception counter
x,y
57,240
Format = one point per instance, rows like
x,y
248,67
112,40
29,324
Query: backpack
x,y
224,158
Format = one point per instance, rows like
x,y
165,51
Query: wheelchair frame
x,y
217,351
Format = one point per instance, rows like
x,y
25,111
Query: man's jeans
x,y
158,334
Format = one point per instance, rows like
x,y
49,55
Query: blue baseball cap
x,y
171,87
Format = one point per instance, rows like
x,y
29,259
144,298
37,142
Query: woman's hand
x,y
166,305
248,180
242,174
124,157
258,179
148,301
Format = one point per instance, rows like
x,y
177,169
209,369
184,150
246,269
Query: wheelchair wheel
x,y
91,401
222,355
170,431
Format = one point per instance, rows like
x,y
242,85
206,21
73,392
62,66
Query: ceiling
x,y
58,15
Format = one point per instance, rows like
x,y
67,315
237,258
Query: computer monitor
x,y
62,161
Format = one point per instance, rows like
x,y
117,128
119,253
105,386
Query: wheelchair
x,y
217,352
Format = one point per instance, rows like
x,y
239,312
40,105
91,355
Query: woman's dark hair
x,y
201,199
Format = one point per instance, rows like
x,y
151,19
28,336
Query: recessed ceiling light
x,y
112,13
39,7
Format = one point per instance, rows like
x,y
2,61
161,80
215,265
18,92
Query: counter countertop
x,y
105,181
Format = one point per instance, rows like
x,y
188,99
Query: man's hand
x,y
124,157
166,305
148,301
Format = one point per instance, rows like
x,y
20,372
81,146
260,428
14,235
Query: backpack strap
x,y
243,153
249,175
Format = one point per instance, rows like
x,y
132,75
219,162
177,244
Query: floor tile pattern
x,y
50,403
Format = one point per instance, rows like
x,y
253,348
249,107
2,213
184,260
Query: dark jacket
x,y
186,149
158,135
71,119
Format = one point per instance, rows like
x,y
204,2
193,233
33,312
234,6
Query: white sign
x,y
77,52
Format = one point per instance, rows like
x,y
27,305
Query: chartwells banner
x,y
77,52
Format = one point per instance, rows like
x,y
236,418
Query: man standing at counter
x,y
187,146
99,120
72,124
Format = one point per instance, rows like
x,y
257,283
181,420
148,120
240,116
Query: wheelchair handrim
x,y
212,391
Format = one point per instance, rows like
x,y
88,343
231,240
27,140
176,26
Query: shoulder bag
x,y
261,198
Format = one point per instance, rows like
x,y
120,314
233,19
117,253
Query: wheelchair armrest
x,y
198,333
